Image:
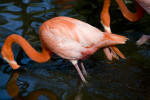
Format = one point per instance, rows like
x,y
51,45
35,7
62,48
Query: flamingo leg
x,y
74,62
117,51
114,55
83,68
108,53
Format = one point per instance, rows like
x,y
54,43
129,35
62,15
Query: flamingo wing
x,y
68,37
75,30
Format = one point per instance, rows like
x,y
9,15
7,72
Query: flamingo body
x,y
70,38
67,37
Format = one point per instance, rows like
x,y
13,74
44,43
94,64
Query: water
x,y
57,79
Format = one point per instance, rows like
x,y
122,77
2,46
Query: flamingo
x,y
105,16
105,20
67,37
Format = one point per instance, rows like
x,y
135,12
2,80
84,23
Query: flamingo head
x,y
7,55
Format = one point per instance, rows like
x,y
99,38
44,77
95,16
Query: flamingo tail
x,y
114,51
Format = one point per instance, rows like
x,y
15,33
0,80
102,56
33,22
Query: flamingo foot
x,y
143,40
107,53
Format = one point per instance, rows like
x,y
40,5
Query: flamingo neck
x,y
128,14
7,53
105,16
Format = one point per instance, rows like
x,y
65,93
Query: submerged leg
x,y
74,62
83,69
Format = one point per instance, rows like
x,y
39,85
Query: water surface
x,y
57,79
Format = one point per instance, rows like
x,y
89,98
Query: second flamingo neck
x,y
128,14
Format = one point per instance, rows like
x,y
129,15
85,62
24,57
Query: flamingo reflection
x,y
65,4
13,90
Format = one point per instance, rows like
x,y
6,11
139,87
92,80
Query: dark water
x,y
57,79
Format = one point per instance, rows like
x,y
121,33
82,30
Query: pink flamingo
x,y
105,20
69,38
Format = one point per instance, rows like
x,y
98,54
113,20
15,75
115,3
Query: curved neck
x,y
128,14
7,53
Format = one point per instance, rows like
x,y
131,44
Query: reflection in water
x,y
12,87
65,4
31,86
13,90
